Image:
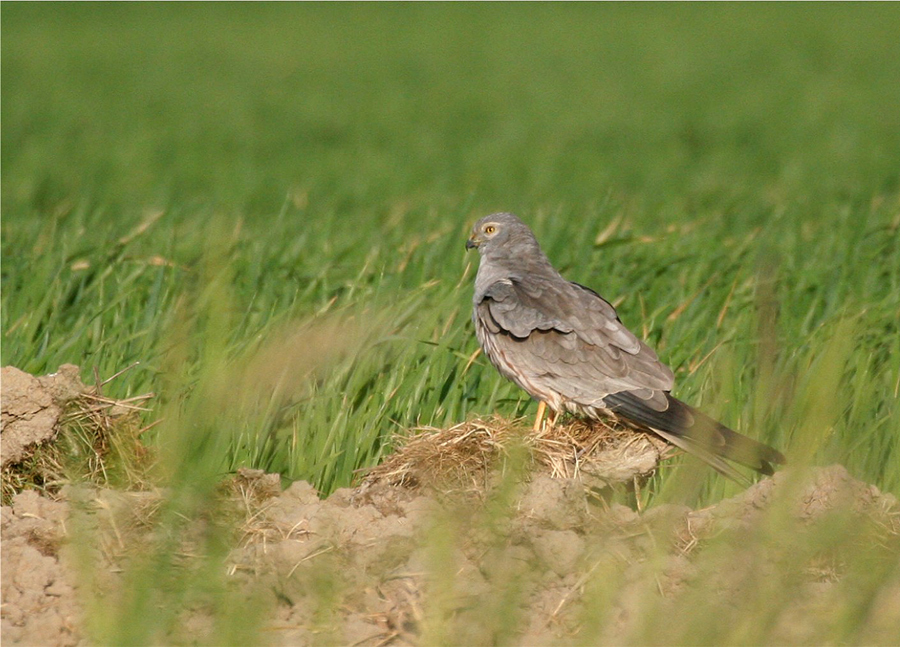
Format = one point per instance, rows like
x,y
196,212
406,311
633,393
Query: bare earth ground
x,y
392,559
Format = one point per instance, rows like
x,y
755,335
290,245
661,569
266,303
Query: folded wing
x,y
568,339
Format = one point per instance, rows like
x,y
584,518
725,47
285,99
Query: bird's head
x,y
500,233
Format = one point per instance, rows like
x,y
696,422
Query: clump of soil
x,y
32,408
55,429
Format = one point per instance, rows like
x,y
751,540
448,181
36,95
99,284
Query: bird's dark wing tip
x,y
772,456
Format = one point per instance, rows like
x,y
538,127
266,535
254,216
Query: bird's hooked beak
x,y
473,242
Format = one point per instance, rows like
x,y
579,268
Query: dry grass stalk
x,y
105,433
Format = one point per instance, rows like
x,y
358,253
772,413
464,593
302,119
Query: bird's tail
x,y
696,433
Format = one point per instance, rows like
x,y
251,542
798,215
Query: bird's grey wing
x,y
568,339
511,309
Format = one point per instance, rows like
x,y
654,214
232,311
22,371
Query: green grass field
x,y
728,176
266,205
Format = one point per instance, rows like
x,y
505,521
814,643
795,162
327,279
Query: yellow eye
x,y
490,229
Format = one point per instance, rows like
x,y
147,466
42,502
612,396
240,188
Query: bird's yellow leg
x,y
554,416
542,406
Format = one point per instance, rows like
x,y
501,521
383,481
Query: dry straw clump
x,y
58,430
466,456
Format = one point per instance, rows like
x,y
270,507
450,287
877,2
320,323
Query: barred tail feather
x,y
698,434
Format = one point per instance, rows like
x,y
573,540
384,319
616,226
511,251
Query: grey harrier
x,y
565,346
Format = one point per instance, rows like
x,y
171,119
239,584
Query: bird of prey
x,y
566,347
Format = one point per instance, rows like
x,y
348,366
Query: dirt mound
x,y
40,606
387,570
412,557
